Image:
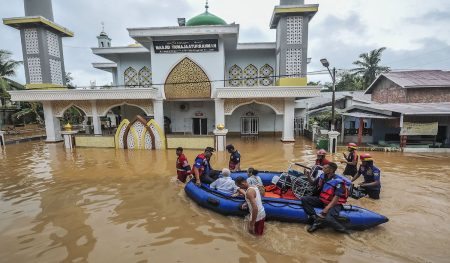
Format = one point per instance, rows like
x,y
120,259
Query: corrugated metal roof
x,y
367,115
325,98
420,78
442,108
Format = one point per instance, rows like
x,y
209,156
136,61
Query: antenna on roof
x,y
206,6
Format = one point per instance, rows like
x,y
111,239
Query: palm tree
x,y
369,67
32,110
7,70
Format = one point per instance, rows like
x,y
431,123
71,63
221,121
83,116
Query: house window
x,y
352,125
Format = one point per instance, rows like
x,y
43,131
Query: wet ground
x,y
107,205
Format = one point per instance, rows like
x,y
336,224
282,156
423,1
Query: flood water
x,y
107,205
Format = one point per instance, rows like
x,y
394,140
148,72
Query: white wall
x,y
137,61
268,120
182,120
211,62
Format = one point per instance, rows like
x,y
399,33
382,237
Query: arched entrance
x,y
115,115
187,80
254,119
76,117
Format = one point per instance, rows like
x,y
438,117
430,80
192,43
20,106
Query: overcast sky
x,y
415,32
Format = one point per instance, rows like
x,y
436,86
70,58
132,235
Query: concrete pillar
x,y
69,139
220,111
288,120
52,124
360,130
96,119
158,112
315,128
220,139
332,141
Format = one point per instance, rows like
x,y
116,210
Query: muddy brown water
x,y
107,205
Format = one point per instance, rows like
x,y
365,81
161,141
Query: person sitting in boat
x,y
235,158
320,162
212,172
254,180
351,160
371,174
225,183
183,167
333,194
202,168
254,203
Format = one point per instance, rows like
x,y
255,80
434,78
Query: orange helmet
x,y
366,157
321,152
352,145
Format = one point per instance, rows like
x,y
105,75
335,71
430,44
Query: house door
x,y
249,126
200,126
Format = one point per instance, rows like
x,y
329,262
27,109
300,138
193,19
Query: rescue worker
x,y
333,194
183,167
321,158
235,158
371,174
351,160
202,169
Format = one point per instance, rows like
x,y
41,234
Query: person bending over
x,y
255,206
333,194
235,158
202,169
371,174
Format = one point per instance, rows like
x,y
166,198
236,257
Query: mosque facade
x,y
192,79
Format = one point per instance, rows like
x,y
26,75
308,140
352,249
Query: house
x,y
410,108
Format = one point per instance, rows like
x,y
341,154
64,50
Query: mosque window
x,y
235,76
265,74
294,62
250,76
131,77
145,77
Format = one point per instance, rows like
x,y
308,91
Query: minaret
x,y
41,45
291,19
103,39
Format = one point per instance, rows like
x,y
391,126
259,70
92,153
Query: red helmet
x,y
366,157
321,152
352,145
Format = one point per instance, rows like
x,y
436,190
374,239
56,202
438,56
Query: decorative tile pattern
x,y
145,78
53,44
31,41
187,81
130,139
140,130
121,135
60,106
250,76
235,76
294,30
147,141
294,62
34,70
265,74
56,72
131,78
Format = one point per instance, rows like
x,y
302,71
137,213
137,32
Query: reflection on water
x,y
106,205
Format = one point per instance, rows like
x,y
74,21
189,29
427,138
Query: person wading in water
x,y
351,160
371,174
235,158
255,206
183,167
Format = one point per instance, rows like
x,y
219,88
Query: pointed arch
x,y
235,76
250,76
135,134
145,77
187,80
131,78
266,75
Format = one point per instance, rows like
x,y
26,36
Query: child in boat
x,y
254,180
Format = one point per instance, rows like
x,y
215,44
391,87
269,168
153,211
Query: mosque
x,y
186,85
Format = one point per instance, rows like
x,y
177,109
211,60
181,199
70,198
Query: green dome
x,y
206,19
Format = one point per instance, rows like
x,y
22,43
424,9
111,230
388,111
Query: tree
x,y
350,82
69,80
7,70
31,110
369,67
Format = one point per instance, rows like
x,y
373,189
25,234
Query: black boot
x,y
311,219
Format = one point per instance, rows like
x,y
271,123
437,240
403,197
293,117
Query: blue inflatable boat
x,y
352,217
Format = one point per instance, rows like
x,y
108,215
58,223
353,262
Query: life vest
x,y
181,170
233,163
352,156
322,162
276,192
328,189
204,164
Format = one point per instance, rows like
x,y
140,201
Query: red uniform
x,y
183,168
